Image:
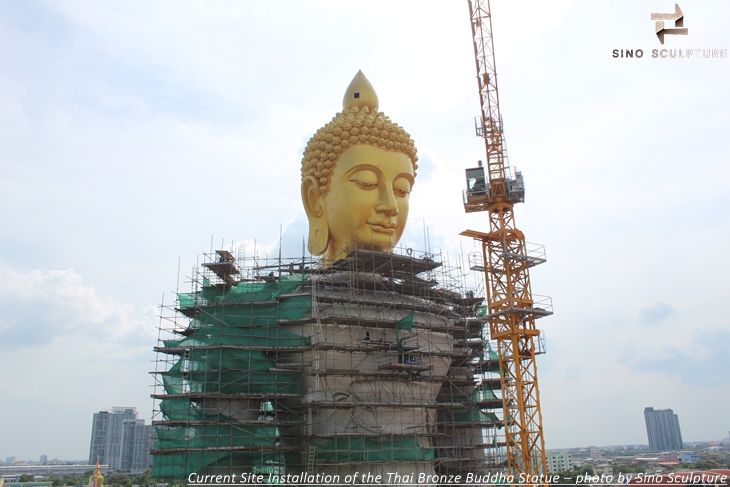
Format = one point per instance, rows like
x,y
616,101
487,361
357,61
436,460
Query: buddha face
x,y
366,204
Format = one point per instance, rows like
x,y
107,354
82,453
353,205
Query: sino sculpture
x,y
357,175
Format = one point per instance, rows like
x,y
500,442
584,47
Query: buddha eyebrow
x,y
364,167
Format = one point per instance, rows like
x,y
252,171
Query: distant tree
x,y
118,480
705,465
26,477
72,480
585,469
55,481
144,480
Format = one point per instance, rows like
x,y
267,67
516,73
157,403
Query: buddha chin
x,y
357,176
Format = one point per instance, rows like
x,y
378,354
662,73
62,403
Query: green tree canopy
x,y
118,480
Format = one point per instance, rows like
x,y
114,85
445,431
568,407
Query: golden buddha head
x,y
357,175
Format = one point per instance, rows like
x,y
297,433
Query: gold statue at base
x,y
357,174
96,479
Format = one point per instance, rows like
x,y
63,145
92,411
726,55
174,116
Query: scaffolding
x,y
379,364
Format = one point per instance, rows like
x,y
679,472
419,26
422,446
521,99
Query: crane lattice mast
x,y
506,260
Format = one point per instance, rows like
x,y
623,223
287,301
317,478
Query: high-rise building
x,y
44,459
662,428
559,461
115,434
120,440
99,429
137,440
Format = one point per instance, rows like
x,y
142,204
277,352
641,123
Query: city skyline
x,y
135,136
628,447
587,446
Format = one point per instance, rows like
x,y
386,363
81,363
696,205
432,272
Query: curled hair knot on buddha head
x,y
360,122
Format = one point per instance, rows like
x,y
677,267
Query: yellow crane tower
x,y
506,259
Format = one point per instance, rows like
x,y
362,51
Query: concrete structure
x,y
559,461
120,440
668,457
376,364
137,440
662,429
689,457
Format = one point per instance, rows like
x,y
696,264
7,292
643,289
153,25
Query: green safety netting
x,y
471,416
245,382
359,449
181,409
173,379
491,355
405,323
211,361
219,435
230,370
182,464
477,395
257,337
484,395
252,314
490,361
245,292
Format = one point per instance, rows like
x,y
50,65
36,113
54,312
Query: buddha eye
x,y
366,185
402,187
401,192
365,178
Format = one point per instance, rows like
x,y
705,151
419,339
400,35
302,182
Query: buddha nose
x,y
387,204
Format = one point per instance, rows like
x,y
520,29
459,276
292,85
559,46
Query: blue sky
x,y
134,133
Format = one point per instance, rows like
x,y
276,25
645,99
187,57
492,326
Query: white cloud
x,y
42,308
68,351
656,313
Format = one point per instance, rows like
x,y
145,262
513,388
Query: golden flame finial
x,y
96,479
360,94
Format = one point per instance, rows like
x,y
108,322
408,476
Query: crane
x,y
505,259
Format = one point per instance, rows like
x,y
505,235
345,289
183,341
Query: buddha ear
x,y
313,200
